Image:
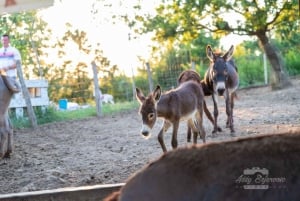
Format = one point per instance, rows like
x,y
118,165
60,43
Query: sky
x,y
100,29
113,38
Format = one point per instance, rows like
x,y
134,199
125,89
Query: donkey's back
x,y
181,102
256,168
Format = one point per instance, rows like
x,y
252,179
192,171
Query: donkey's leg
x,y
192,123
174,134
3,142
199,116
227,103
196,123
232,96
216,113
209,116
229,108
189,133
160,136
10,138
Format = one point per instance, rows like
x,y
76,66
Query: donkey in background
x,y
221,78
188,75
182,103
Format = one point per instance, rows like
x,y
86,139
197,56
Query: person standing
x,y
8,57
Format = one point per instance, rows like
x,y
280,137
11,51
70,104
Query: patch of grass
x,y
51,114
118,107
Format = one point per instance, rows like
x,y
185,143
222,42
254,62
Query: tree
x,y
72,77
178,18
289,45
28,34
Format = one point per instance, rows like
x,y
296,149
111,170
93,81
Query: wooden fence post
x,y
26,95
149,77
193,65
97,90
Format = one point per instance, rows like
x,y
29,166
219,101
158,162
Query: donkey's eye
x,y
151,116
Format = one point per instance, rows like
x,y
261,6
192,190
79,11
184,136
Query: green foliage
x,y
68,77
249,61
200,43
251,71
289,46
182,21
120,86
141,81
72,79
29,34
292,62
252,17
43,115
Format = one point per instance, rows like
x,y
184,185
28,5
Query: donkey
x,y
188,75
221,78
182,103
264,167
6,131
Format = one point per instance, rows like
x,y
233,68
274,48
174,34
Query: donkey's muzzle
x,y
220,91
145,133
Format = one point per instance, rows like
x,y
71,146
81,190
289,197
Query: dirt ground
x,y
109,149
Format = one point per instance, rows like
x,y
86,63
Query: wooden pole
x,y
193,65
26,95
265,68
149,77
97,90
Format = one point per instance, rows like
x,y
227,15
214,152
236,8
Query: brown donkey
x,y
188,75
6,130
265,167
182,103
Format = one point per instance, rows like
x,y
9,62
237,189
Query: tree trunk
x,y
279,78
97,90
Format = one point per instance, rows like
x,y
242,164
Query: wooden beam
x,y
86,193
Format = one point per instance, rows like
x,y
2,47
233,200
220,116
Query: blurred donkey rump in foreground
x,y
265,167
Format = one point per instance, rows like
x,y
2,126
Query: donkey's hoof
x,y
219,129
7,155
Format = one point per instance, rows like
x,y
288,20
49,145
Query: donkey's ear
x,y
139,95
210,53
227,56
157,93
